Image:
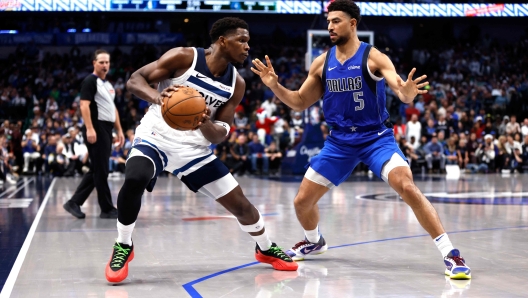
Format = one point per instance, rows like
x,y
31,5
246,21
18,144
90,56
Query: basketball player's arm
x,y
405,90
216,133
157,71
309,93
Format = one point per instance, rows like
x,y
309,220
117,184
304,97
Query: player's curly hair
x,y
346,6
226,26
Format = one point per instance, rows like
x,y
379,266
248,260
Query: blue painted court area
x,y
19,204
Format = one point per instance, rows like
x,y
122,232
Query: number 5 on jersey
x,y
357,98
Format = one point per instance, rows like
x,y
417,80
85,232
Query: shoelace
x,y
459,261
119,255
299,244
279,253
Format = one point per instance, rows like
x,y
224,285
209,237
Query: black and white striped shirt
x,y
101,94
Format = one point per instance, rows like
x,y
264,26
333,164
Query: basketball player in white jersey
x,y
186,154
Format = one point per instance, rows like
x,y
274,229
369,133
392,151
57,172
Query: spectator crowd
x,y
475,114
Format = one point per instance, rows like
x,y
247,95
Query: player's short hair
x,y
226,26
99,52
346,6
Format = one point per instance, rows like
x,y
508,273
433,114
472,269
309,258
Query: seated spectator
x,y
462,156
240,153
258,154
513,127
524,128
485,155
517,161
429,130
49,151
6,170
502,157
471,147
30,149
414,129
451,152
275,158
241,122
57,161
434,152
117,160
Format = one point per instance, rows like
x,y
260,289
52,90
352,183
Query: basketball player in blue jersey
x,y
351,78
186,154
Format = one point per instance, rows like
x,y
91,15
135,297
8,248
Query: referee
x,y
100,116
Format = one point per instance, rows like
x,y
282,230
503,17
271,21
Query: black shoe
x,y
74,209
110,214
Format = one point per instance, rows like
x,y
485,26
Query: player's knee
x,y
301,202
138,172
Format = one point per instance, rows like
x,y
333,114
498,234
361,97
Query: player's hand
x,y
411,88
121,138
265,72
167,92
91,135
206,117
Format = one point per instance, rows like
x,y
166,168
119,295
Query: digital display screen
x,y
272,7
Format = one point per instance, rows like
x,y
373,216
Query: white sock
x,y
313,235
125,233
444,244
263,241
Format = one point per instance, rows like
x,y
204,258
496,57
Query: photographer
x,y
485,155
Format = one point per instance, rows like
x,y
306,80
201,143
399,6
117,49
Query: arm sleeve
x,y
89,88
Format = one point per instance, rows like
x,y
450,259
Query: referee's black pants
x,y
99,153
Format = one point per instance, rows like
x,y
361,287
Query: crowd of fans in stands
x,y
475,114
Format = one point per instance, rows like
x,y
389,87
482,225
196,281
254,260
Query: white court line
x,y
8,190
13,275
20,187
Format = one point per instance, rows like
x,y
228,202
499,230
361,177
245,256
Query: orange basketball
x,y
183,109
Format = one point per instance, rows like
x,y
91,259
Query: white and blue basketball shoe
x,y
300,250
456,266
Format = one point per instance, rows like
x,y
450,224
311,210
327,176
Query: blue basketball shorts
x,y
343,151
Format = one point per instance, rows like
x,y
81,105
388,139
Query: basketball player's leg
x,y
389,164
142,167
329,168
214,180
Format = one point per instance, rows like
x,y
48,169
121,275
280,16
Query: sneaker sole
x,y
458,275
319,252
118,276
277,264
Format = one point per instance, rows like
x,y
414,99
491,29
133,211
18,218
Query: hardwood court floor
x,y
187,245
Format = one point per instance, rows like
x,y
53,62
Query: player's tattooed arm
x,y
406,90
309,93
217,133
174,60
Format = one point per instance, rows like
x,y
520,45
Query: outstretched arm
x,y
407,90
309,93
157,71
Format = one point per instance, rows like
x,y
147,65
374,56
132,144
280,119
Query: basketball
x,y
183,109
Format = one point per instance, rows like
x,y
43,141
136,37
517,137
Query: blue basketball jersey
x,y
353,100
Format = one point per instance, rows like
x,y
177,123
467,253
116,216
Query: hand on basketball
x,y
205,117
167,92
265,72
411,88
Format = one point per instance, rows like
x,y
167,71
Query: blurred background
x,y
474,55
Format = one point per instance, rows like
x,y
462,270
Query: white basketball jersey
x,y
216,91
